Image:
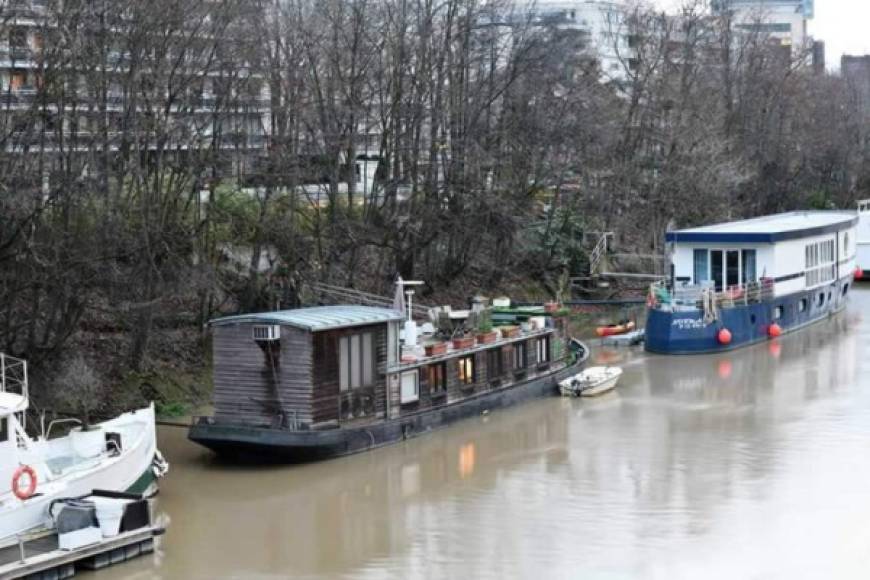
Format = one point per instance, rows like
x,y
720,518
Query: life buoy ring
x,y
16,482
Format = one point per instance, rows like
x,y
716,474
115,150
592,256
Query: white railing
x,y
694,297
13,375
598,253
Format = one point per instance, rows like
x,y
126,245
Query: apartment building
x,y
783,21
81,79
601,27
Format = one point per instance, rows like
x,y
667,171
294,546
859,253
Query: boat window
x,y
701,266
520,355
4,430
749,270
733,268
436,377
821,299
716,269
543,348
410,387
777,313
466,370
845,289
802,305
494,366
356,361
846,244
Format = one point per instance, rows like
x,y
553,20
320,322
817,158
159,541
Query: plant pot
x,y
510,331
487,337
87,444
435,348
463,342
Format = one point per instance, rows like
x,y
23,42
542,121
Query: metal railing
x,y
13,375
598,253
663,296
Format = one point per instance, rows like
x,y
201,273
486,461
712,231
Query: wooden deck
x,y
41,555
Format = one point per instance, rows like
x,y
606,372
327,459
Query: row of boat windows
x,y
468,372
819,253
725,268
804,303
819,259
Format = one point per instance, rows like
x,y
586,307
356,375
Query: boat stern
x,y
680,333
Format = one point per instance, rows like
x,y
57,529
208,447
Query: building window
x,y
356,361
494,366
716,269
466,370
519,356
701,268
410,387
436,377
749,270
543,348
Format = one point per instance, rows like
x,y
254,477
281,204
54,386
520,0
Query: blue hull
x,y
688,333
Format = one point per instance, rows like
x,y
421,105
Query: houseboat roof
x,y
769,229
316,318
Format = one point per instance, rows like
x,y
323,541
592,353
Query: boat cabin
x,y
784,253
331,366
863,239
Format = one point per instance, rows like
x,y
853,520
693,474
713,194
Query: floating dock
x,y
40,558
628,339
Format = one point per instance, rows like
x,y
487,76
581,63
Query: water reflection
x,y
746,464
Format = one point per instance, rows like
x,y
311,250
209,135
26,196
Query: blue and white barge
x,y
738,283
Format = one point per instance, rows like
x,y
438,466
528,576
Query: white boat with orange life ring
x,y
117,455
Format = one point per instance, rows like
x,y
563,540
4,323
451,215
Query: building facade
x,y
602,26
783,21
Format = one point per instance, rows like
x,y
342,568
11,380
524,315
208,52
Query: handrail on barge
x,y
690,297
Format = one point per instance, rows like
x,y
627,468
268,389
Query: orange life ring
x,y
16,482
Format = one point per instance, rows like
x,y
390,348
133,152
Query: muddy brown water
x,y
753,464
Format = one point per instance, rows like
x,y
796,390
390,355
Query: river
x,y
752,464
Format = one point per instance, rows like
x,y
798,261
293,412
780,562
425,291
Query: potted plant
x,y
435,348
485,333
510,331
462,342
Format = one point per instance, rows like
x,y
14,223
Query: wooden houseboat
x,y
738,283
314,383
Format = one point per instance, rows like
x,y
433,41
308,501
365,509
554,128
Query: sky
x,y
841,24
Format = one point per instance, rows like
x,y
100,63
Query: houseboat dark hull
x,y
265,445
687,332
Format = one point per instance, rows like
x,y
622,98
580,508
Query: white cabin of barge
x,y
785,253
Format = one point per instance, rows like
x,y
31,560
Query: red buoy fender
x,y
774,330
724,336
26,492
859,273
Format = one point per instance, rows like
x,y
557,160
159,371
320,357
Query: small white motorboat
x,y
117,455
591,382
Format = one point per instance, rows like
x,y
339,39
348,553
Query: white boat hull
x,y
591,382
121,472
